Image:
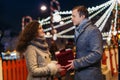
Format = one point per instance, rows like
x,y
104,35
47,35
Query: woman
x,y
33,45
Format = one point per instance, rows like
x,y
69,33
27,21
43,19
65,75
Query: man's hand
x,y
70,66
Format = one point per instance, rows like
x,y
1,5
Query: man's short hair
x,y
82,11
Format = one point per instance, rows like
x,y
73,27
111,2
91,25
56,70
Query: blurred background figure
x,y
69,44
53,49
1,45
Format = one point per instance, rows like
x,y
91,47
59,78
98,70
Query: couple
x,y
88,42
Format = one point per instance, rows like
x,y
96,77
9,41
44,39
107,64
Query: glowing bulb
x,y
61,22
56,18
108,40
114,33
55,37
48,33
43,7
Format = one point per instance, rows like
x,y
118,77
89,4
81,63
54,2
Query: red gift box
x,y
64,55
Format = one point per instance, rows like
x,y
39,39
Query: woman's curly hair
x,y
28,34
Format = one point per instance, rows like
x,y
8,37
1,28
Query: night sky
x,y
12,11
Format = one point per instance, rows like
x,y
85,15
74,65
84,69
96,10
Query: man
x,y
89,48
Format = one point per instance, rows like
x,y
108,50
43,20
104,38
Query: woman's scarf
x,y
40,43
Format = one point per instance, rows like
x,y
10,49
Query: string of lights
x,y
99,23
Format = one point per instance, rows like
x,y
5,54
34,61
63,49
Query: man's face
x,y
76,18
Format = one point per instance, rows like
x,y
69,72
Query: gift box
x,y
64,55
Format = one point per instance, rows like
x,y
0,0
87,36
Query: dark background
x,y
12,11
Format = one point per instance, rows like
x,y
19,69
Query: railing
x,y
1,75
110,58
14,70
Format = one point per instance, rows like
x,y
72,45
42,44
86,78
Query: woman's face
x,y
41,32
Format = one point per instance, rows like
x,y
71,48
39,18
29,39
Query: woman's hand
x,y
60,68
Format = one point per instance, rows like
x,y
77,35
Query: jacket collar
x,y
82,24
81,28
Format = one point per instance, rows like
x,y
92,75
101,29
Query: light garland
x,y
103,16
93,9
101,21
115,20
67,30
99,11
62,25
108,12
57,26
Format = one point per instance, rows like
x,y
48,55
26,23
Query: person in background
x,y
89,47
32,44
53,49
1,45
1,49
69,44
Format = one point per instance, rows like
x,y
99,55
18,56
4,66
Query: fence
x,y
110,58
14,70
1,77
